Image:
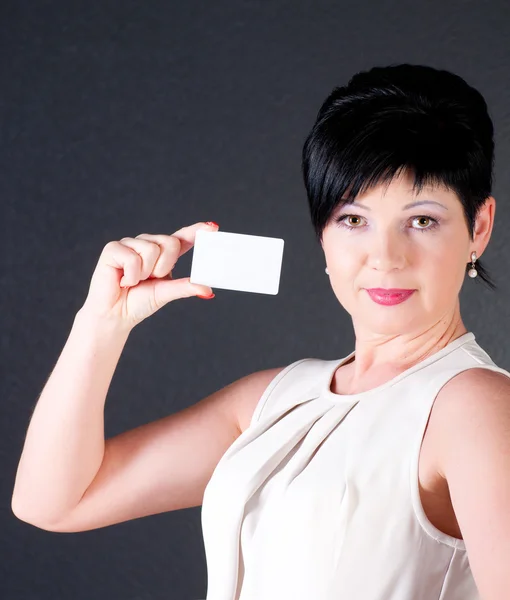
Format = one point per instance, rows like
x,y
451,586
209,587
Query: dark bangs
x,y
415,119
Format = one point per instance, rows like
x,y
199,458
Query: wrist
x,y
90,322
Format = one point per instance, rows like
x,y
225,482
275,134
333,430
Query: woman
x,y
382,475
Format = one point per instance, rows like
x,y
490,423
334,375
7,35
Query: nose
x,y
386,251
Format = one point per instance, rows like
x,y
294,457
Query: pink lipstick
x,y
389,296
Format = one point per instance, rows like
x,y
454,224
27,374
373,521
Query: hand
x,y
133,277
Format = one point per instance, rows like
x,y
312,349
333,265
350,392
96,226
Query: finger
x,y
142,259
123,259
170,248
173,246
186,235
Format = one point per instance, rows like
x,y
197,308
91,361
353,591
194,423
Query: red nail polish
x,y
212,223
206,297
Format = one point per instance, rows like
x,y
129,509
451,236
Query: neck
x,y
382,355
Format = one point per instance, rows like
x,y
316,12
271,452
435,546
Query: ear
x,y
484,224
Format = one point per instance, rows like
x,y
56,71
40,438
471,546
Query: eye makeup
x,y
435,222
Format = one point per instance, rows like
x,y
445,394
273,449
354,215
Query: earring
x,y
472,271
326,269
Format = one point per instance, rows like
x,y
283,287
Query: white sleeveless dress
x,y
318,498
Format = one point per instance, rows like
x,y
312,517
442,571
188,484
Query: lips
x,y
389,296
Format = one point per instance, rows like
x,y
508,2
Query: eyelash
x,y
435,222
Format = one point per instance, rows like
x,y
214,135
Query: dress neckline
x,y
450,347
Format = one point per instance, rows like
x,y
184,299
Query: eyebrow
x,y
410,205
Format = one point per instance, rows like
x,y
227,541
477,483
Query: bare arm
x,y
70,479
164,465
64,444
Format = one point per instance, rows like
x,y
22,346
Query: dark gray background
x,y
128,117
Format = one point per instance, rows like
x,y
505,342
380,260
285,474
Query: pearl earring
x,y
472,271
326,269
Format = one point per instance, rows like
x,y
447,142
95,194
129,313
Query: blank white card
x,y
235,261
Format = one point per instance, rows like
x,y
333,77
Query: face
x,y
424,248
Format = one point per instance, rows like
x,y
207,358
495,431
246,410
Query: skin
x,y
387,249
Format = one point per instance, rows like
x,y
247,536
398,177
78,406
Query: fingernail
x,y
212,223
206,297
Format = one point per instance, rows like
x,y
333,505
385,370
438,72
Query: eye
x,y
423,226
434,222
342,218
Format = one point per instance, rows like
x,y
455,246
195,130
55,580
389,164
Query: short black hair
x,y
401,117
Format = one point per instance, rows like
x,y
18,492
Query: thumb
x,y
168,290
199,290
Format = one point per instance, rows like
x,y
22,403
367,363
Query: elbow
x,y
23,515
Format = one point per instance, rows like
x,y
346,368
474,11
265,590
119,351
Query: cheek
x,y
446,257
441,279
344,279
345,266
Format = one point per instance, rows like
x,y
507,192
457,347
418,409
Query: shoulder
x,y
472,406
474,386
474,392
